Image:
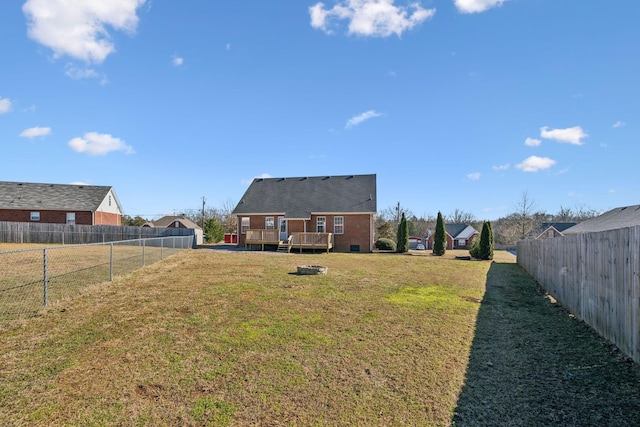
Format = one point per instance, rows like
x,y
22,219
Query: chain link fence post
x,y
45,278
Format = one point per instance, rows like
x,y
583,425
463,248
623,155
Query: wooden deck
x,y
300,241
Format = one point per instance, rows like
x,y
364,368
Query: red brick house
x,y
59,204
459,236
322,212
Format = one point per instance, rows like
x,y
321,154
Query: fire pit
x,y
311,269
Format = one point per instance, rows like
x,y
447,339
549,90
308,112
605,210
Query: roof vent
x,y
326,177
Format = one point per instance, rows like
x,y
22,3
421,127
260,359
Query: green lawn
x,y
215,338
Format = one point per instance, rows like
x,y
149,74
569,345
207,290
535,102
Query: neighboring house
x,y
459,236
627,216
177,222
327,212
549,230
59,204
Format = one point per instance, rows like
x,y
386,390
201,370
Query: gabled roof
x,y
559,226
456,231
166,221
627,216
298,198
34,196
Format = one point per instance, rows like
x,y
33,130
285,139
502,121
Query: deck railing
x,y
296,240
259,236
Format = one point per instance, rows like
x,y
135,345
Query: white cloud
x,y
501,167
474,176
78,28
619,124
535,164
354,121
79,183
35,132
177,60
80,73
376,18
99,144
532,142
5,105
228,47
572,135
477,6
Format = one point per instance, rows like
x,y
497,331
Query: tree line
x,y
520,224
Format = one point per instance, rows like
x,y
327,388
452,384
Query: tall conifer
x,y
440,238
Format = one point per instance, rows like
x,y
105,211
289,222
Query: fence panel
x,y
31,279
596,276
73,234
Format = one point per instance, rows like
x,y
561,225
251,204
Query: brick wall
x,y
46,217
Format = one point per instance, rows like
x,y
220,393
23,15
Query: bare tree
x,y
527,219
459,216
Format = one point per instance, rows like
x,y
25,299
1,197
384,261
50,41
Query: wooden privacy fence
x,y
65,234
596,276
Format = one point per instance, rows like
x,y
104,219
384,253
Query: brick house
x,y
459,236
171,221
59,204
326,212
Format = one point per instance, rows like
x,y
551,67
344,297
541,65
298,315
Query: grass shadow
x,y
532,363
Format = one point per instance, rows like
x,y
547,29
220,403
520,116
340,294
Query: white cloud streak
x,y
535,164
619,124
370,18
78,28
99,144
572,135
354,121
532,142
502,167
35,132
474,176
476,6
5,105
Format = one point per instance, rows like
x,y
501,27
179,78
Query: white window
x,y
176,224
550,233
338,224
35,216
244,225
462,242
269,223
71,217
321,224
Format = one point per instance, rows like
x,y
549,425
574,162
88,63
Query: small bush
x,y
474,249
385,245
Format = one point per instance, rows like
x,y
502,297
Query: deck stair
x,y
284,246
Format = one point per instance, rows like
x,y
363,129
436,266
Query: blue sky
x,y
461,104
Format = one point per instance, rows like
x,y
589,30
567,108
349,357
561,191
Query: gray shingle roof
x,y
33,196
627,216
299,197
165,221
560,226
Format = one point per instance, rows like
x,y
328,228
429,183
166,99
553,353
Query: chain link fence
x,y
32,279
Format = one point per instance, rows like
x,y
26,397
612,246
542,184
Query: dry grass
x,y
214,338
